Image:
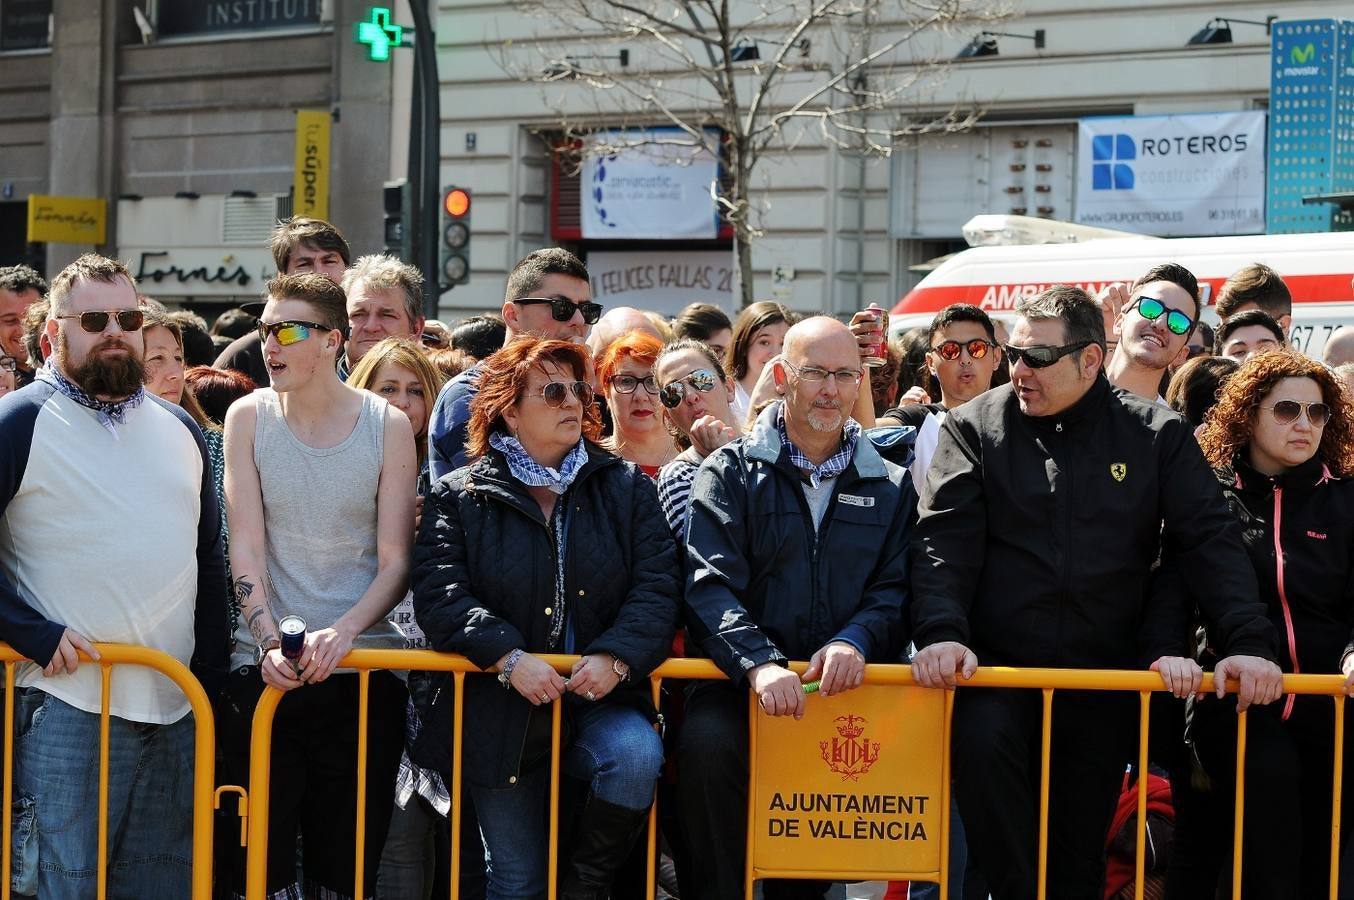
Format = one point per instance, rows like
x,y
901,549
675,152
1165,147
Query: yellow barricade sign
x,y
67,220
858,787
310,179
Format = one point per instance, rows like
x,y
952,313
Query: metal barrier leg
x,y
1337,790
457,719
555,710
651,852
945,797
260,753
1140,857
1239,824
106,671
359,862
752,793
1046,746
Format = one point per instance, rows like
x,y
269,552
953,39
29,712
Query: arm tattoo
x,y
258,619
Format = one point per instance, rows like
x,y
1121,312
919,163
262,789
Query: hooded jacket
x,y
1036,535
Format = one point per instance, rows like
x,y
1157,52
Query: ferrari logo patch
x,y
1119,471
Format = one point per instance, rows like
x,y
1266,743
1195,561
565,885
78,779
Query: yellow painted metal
x,y
457,721
260,773
241,808
1239,823
945,798
107,673
752,808
1045,745
359,861
1337,788
1140,857
551,887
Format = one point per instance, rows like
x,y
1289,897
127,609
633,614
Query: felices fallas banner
x,y
653,187
1173,175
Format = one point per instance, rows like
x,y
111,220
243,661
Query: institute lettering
x,y
199,16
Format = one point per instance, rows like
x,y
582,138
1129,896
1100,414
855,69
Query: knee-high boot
x,y
603,839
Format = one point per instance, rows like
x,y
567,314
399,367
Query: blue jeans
x,y
56,821
614,749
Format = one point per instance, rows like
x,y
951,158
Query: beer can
x,y
878,351
293,636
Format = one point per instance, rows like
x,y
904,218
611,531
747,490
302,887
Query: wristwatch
x,y
621,669
260,651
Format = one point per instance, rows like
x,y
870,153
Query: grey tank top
x,y
319,516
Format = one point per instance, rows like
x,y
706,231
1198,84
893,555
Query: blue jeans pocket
x,y
23,877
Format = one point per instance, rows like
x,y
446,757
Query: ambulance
x,y
1318,269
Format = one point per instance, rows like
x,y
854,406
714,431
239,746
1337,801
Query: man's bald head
x,y
821,336
1339,348
816,351
616,322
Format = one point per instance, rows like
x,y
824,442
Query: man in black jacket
x,y
1049,500
798,549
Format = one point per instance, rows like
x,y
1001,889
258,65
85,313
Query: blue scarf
x,y
111,413
533,474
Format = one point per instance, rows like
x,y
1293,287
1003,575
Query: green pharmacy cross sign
x,y
379,34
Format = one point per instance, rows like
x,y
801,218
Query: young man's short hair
x,y
1258,284
1175,274
961,312
314,233
531,270
89,267
21,278
320,292
1241,320
381,273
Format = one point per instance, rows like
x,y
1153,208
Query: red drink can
x,y
877,354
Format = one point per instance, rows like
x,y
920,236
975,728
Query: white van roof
x,y
1317,268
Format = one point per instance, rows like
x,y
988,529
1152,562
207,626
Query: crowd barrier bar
x,y
204,768
1048,681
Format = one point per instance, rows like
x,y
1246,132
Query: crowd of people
x,y
1108,485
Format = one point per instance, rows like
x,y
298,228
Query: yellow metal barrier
x,y
204,767
1045,680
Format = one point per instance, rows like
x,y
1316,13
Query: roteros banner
x,y
653,188
1173,175
310,182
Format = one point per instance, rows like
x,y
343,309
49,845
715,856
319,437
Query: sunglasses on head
x,y
96,322
1151,309
672,393
1286,411
556,392
292,331
1041,357
950,350
562,310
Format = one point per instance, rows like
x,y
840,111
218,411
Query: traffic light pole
x,y
428,177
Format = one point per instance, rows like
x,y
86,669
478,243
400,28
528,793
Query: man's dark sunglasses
x,y
96,322
1151,309
563,310
1040,357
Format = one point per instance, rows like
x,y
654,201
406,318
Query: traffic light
x,y
455,246
399,220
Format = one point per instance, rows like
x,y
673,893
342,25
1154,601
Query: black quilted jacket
x,y
484,584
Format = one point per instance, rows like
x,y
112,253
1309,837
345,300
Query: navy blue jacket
x,y
763,586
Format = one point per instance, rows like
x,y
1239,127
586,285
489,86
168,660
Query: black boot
x,y
602,840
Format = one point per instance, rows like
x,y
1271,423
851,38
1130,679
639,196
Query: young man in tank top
x,y
320,494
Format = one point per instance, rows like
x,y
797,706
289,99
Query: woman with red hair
x,y
625,372
547,544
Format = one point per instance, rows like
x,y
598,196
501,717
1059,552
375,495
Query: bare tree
x,y
737,80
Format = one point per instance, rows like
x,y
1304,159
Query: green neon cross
x,y
379,34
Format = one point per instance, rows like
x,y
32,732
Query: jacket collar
x,y
1091,404
1311,474
490,473
763,443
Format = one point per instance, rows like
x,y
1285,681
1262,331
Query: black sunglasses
x,y
672,393
1041,357
563,310
950,350
96,322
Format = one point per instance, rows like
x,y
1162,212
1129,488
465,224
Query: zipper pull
x,y
1058,428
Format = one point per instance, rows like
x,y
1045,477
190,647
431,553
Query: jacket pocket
x,y
23,878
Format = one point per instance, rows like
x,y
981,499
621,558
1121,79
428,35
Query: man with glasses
x,y
1156,317
548,294
1045,508
797,544
20,288
109,531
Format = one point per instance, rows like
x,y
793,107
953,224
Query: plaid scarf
x,y
111,413
834,465
533,474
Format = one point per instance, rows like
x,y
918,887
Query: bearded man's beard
x,y
117,377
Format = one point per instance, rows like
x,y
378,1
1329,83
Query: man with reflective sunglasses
x,y
109,531
548,294
1047,505
797,541
1156,317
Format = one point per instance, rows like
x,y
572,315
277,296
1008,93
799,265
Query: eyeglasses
x,y
817,374
1151,309
672,393
626,384
95,322
292,331
9,364
563,310
950,350
1040,357
1286,411
556,392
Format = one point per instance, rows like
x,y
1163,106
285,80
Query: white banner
x,y
649,190
1173,176
662,282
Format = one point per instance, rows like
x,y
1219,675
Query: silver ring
x,y
590,695
545,698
